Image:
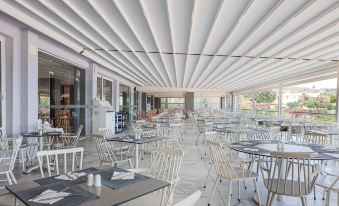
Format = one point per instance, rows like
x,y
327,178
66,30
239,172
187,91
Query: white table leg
x,y
136,155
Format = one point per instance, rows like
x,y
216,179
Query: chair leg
x,y
268,198
229,194
215,186
13,178
328,197
209,173
257,191
130,163
303,201
239,190
9,179
271,200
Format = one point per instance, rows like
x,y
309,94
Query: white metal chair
x,y
112,153
316,138
165,166
23,150
230,169
58,157
290,174
190,200
67,140
7,160
329,180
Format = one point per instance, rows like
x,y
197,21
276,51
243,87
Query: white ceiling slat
x,y
269,11
180,15
247,71
31,23
193,45
198,67
135,19
319,16
122,32
216,71
155,13
60,10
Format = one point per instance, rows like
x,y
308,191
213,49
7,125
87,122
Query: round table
x,y
263,148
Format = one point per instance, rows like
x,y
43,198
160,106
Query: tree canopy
x,y
265,96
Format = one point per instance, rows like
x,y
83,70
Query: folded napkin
x,y
70,176
251,149
49,197
122,175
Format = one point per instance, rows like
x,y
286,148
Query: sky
x,y
328,83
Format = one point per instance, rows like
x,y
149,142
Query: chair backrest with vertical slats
x,y
166,164
8,157
290,173
316,138
60,157
222,158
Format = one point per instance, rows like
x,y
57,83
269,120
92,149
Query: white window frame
x,y
102,77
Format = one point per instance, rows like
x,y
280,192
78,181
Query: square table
x,y
132,140
105,195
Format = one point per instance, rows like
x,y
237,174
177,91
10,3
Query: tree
x,y
293,105
265,96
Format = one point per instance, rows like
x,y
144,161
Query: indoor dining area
x,y
169,102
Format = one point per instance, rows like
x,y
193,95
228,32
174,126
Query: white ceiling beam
x,y
156,40
295,31
129,22
15,7
100,11
216,69
84,14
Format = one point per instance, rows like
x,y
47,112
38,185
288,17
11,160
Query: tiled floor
x,y
192,176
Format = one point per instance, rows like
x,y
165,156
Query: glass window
x,y
61,93
172,103
107,90
314,101
124,98
203,102
99,88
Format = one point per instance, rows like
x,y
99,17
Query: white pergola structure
x,y
201,45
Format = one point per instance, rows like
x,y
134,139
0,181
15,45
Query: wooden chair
x,y
7,160
290,174
230,169
59,157
190,200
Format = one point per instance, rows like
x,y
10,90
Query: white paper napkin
x,y
49,197
251,149
70,176
122,175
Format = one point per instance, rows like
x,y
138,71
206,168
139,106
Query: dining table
x,y
132,139
39,139
110,192
263,148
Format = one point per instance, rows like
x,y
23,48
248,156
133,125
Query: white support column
x,y
116,98
29,80
253,108
280,90
337,103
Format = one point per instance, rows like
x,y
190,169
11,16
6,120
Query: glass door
x,y
61,93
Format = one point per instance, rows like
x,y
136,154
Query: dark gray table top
x,y
263,148
106,195
131,139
